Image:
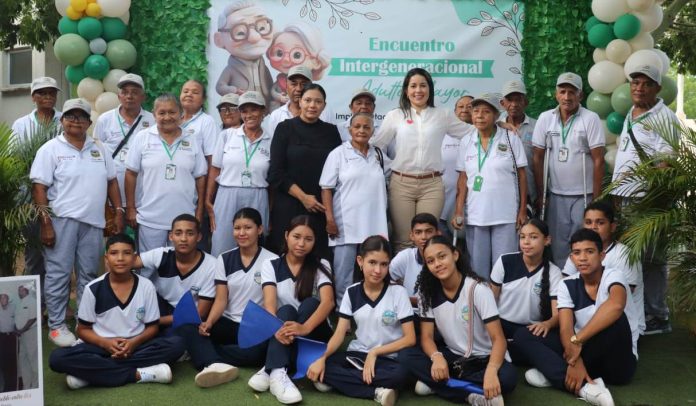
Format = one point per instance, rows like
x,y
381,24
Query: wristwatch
x,y
574,340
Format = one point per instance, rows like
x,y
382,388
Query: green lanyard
x,y
120,122
247,156
194,118
170,154
630,123
39,123
490,144
565,129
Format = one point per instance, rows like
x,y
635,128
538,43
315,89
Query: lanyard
x,y
248,156
631,123
490,144
39,123
194,118
120,122
170,154
565,129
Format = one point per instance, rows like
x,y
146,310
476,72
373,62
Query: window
x,y
19,66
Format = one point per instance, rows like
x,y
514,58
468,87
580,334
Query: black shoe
x,y
657,326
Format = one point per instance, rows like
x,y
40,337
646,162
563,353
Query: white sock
x,y
277,373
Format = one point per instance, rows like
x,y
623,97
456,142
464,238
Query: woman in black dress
x,y
298,151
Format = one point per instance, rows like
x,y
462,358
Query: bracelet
x,y
434,354
121,209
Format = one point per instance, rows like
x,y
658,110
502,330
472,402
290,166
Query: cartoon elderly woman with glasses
x,y
245,32
298,44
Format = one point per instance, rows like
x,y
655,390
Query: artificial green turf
x,y
666,376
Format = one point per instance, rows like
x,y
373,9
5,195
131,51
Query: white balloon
x,y
610,156
642,41
90,89
618,51
642,57
125,18
609,10
106,101
111,80
650,19
599,55
61,6
97,46
640,5
114,8
605,76
665,61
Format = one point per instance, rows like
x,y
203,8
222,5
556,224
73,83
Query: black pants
x,y
8,361
347,379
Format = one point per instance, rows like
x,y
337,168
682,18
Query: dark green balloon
x,y
75,73
626,27
114,28
89,28
615,122
600,35
67,26
600,103
96,67
591,22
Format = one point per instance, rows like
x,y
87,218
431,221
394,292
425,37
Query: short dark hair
x,y
120,238
585,234
424,218
189,218
313,86
605,207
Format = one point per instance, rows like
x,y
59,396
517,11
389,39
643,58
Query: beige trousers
x,y
408,197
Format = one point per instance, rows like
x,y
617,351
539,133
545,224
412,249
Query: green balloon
x,y
96,67
621,100
67,26
669,90
114,28
600,103
600,35
75,73
615,122
71,49
121,54
89,28
591,22
626,27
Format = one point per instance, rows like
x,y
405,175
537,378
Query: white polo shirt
x,y
7,318
359,193
202,126
76,179
109,317
617,258
526,132
276,272
171,285
652,143
565,177
165,197
405,267
497,201
111,129
243,283
232,157
283,113
27,125
572,295
379,321
25,310
450,152
520,289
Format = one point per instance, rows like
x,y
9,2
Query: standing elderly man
x,y
8,345
25,323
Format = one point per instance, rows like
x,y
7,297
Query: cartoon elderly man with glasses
x,y
245,32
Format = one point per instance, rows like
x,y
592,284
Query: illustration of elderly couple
x,y
247,33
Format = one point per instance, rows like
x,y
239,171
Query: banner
x,y
469,47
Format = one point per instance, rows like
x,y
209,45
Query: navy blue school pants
x,y
419,365
608,355
95,365
283,356
348,380
518,355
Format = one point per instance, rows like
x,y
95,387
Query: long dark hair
x,y
311,263
427,284
404,102
376,243
544,295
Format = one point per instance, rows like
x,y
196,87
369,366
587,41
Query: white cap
x,y
131,78
492,99
230,98
43,83
514,86
77,104
301,70
648,70
362,92
569,78
252,97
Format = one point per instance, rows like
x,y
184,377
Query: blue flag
x,y
257,326
466,385
185,311
308,351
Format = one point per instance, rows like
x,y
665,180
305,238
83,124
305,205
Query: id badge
x,y
122,154
563,154
170,172
478,182
246,178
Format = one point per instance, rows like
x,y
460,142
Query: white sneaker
x,y
160,373
283,388
535,378
75,382
322,387
62,336
596,394
216,374
423,389
260,381
475,399
386,396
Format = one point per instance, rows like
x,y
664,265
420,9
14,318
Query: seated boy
x,y
117,328
599,216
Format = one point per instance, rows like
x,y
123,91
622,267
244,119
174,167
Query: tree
x,y
28,22
676,34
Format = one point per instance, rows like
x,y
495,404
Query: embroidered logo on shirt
x,y
95,153
185,143
464,314
194,290
502,147
388,317
146,124
257,277
537,288
140,313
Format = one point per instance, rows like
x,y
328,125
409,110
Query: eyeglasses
x,y
228,110
240,32
75,118
296,55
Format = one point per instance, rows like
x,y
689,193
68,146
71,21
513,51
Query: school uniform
x,y
359,204
611,354
379,322
526,131
616,257
570,144
24,127
27,360
283,113
492,200
463,330
77,191
167,174
241,183
405,267
110,318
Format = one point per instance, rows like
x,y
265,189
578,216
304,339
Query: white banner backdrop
x,y
469,47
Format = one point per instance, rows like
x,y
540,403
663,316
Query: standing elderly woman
x,y
237,176
170,165
229,112
418,128
354,192
299,149
493,183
